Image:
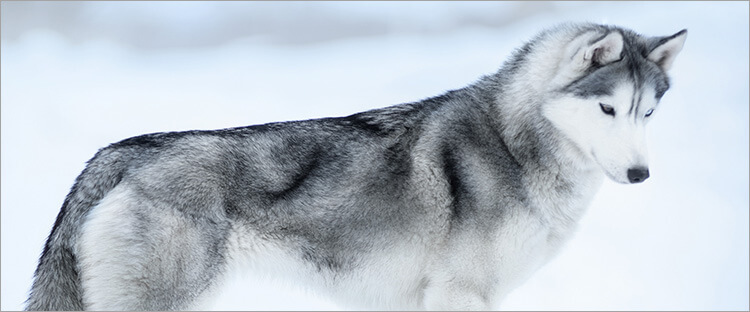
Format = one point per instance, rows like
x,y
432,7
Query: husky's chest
x,y
560,203
529,235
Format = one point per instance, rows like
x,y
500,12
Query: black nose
x,y
638,174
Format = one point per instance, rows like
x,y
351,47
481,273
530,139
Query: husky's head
x,y
607,87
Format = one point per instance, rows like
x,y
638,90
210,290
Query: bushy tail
x,y
57,284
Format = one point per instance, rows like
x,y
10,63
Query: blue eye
x,y
607,109
649,112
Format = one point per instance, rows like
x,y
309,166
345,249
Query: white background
x,y
78,76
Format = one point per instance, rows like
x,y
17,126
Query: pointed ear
x,y
666,49
606,50
592,48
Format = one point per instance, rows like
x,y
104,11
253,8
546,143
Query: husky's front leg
x,y
476,270
455,294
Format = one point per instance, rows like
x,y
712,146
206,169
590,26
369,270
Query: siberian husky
x,y
446,203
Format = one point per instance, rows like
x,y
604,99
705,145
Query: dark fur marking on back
x,y
299,178
456,186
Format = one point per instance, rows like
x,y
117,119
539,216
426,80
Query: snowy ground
x,y
77,76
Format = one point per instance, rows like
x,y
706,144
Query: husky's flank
x,y
446,203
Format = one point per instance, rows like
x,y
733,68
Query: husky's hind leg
x,y
140,255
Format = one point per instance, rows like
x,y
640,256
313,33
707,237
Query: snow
x,y
77,76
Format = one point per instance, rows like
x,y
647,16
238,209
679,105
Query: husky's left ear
x,y
665,49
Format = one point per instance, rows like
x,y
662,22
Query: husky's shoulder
x,y
409,116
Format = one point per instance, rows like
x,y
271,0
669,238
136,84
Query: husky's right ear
x,y
604,50
592,49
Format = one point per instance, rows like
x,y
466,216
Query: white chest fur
x,y
529,238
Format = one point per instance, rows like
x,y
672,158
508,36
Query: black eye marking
x,y
649,112
607,109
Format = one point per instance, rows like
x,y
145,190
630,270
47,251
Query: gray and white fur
x,y
446,203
